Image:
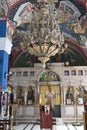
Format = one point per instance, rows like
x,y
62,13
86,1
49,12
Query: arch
x,y
49,79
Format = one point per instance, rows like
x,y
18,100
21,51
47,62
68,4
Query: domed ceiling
x,y
72,21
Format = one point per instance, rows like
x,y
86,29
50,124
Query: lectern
x,y
46,117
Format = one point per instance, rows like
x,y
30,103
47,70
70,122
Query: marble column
x,y
36,94
25,95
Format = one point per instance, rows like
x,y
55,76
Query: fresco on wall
x,y
24,13
9,30
71,20
67,11
2,12
11,2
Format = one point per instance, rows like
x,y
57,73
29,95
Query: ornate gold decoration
x,y
44,37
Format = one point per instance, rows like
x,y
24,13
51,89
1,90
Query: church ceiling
x,y
72,20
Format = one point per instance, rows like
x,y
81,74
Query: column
x,y
25,95
5,48
36,93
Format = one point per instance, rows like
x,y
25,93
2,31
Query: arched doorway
x,y
50,85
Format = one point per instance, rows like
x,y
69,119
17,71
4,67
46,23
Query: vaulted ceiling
x,y
72,20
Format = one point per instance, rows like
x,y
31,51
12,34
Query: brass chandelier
x,y
44,37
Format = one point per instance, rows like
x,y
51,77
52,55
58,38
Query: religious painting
x,y
69,96
2,12
20,95
68,9
11,2
80,91
26,9
24,13
9,34
63,15
49,76
31,95
9,30
83,22
49,94
68,101
80,101
78,28
61,6
65,7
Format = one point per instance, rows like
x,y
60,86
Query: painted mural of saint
x,y
69,93
2,12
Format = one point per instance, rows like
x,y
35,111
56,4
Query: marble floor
x,y
55,127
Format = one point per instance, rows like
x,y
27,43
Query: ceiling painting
x,y
24,13
72,17
2,10
67,9
11,2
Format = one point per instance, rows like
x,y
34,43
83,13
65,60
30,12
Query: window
x,y
85,72
66,73
18,74
80,72
73,72
25,73
32,73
